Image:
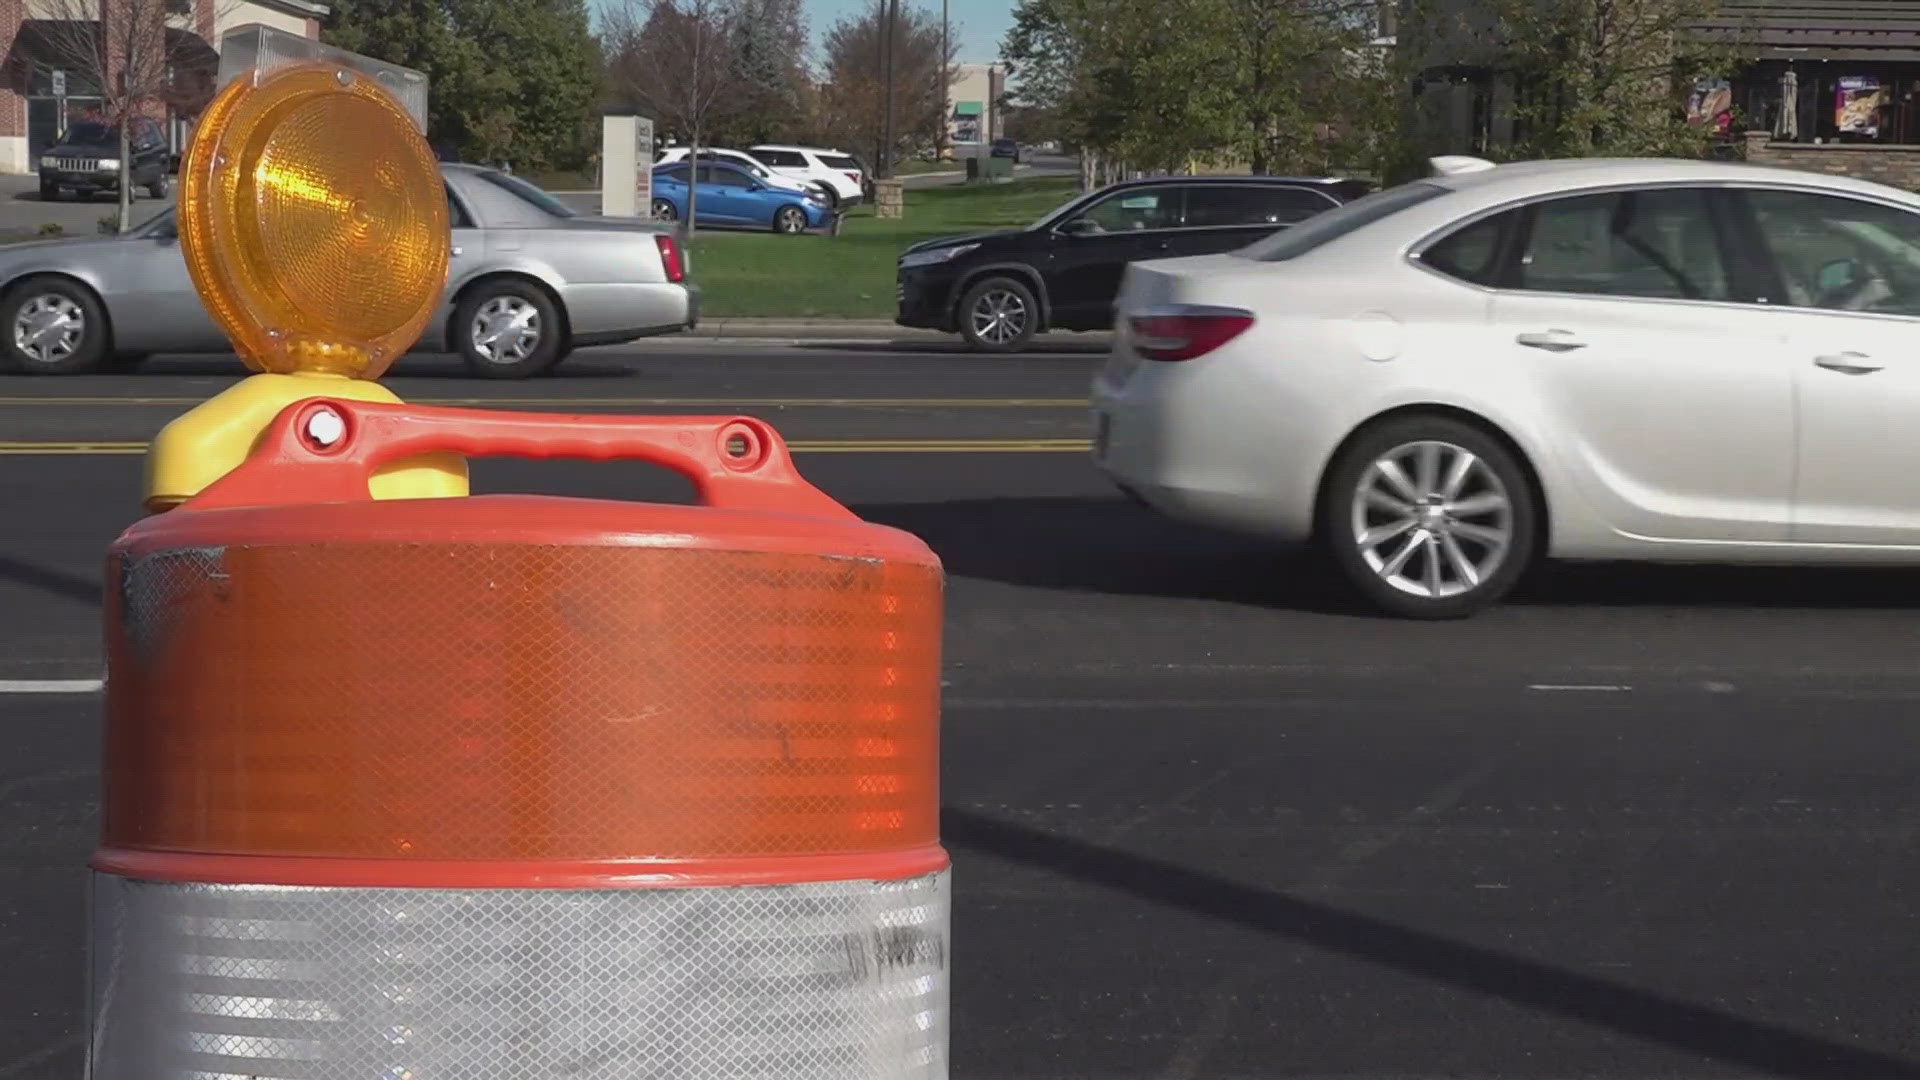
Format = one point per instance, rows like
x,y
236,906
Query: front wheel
x,y
53,326
508,329
790,220
49,192
1428,518
999,314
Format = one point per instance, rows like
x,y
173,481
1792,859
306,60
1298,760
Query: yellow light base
x,y
205,443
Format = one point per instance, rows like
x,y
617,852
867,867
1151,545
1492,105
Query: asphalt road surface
x,y
1207,820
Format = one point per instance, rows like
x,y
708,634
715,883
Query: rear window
x,y
1322,228
839,161
530,193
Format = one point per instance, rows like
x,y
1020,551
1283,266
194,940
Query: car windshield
x,y
90,131
1297,240
160,224
1062,210
530,193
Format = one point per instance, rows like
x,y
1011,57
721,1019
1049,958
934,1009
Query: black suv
x,y
87,160
1063,272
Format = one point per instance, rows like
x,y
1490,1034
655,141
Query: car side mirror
x,y
1078,227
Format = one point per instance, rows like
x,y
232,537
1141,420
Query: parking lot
x,y
1208,820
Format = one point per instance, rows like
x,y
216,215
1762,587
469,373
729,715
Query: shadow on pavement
x,y
1532,984
956,347
1113,546
1108,546
59,583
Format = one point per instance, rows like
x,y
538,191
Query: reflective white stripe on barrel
x,y
844,980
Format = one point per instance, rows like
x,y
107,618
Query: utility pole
x,y
891,10
946,85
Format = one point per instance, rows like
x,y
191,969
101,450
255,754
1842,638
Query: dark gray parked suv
x,y
86,160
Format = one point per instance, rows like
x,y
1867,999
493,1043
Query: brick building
x,y
38,95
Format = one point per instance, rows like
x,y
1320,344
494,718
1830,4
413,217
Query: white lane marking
x,y
1598,688
50,686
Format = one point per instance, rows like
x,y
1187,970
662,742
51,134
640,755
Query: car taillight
x,y
1185,331
670,259
854,176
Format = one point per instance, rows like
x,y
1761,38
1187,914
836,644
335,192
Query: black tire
x,y
664,211
790,221
47,301
1018,315
515,307
158,189
49,192
1445,543
125,362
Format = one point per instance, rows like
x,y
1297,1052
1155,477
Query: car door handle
x,y
1550,340
459,251
1849,363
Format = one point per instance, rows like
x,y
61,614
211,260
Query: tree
x,y
124,51
853,100
769,70
1592,77
536,111
672,60
1290,84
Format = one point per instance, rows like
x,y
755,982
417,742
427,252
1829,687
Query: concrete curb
x,y
853,330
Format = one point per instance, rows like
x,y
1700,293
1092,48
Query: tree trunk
x,y
126,173
693,182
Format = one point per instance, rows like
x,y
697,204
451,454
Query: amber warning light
x,y
314,224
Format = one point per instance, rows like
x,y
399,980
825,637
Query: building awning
x,y
967,108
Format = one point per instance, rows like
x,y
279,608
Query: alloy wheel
x,y
790,220
999,316
1432,519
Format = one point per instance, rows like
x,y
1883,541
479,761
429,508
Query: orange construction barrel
x,y
513,787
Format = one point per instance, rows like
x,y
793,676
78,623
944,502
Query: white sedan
x,y
1439,383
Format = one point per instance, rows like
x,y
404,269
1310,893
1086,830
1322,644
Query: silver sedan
x,y
529,280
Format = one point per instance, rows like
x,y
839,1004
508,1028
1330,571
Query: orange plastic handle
x,y
326,450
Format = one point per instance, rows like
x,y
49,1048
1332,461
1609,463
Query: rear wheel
x,y
53,326
508,329
1428,518
664,211
999,314
158,189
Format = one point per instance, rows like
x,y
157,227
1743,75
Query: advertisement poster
x,y
1857,105
1711,103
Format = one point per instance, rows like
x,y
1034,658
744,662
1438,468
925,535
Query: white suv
x,y
755,168
831,172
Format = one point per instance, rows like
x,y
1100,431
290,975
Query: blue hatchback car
x,y
730,196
